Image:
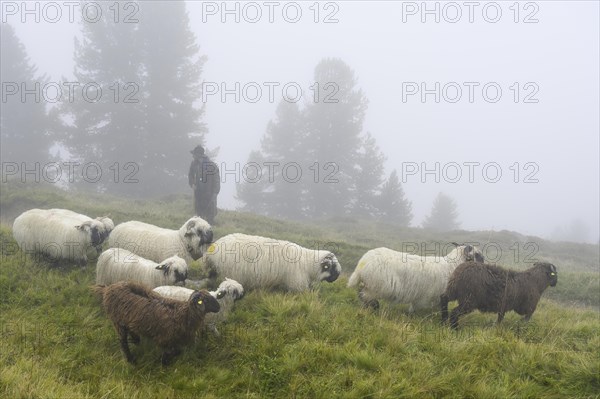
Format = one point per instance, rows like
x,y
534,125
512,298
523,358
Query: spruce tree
x,y
443,215
393,206
367,178
334,120
26,134
145,124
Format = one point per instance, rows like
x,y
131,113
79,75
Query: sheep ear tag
x,y
211,249
199,301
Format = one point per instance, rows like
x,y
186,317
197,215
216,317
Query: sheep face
x,y
175,266
107,227
93,229
330,268
473,254
230,287
550,270
204,302
197,233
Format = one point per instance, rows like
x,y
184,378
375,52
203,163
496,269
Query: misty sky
x,y
554,61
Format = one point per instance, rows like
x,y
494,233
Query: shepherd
x,y
205,180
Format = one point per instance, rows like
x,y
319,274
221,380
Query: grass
x,y
55,342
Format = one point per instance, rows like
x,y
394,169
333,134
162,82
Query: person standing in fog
x,y
205,180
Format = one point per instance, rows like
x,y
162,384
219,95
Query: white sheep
x,y
261,262
60,233
226,294
118,264
157,244
400,277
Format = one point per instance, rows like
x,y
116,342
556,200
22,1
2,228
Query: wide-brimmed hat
x,y
198,150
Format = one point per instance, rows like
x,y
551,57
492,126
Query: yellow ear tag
x,y
200,302
553,274
211,249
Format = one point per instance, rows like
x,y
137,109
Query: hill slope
x,y
56,342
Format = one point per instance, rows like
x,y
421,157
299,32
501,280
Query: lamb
x,y
228,292
117,264
490,288
135,310
261,262
61,233
156,243
400,277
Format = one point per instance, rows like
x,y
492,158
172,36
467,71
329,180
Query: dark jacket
x,y
204,173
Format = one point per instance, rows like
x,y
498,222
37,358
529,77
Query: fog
x,y
528,164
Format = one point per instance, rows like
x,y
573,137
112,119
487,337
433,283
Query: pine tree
x,y
253,190
145,123
108,130
393,206
443,215
334,124
368,177
26,136
172,67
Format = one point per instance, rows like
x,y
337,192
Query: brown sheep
x,y
136,310
490,288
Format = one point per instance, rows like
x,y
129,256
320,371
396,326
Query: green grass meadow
x,y
55,341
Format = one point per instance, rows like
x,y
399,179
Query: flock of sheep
x,y
142,278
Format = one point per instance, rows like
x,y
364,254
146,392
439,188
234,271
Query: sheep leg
x,y
122,331
168,355
500,317
458,311
134,338
444,305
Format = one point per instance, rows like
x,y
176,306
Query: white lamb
x,y
228,292
60,233
156,243
400,277
260,262
118,264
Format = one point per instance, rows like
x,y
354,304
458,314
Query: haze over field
x,y
501,116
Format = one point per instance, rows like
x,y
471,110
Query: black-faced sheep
x,y
156,243
118,264
490,288
137,311
61,234
401,277
261,262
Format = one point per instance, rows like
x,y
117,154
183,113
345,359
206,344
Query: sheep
x,y
400,277
137,311
156,243
490,288
227,293
261,262
61,233
118,264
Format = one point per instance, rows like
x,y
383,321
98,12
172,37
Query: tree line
x,y
150,74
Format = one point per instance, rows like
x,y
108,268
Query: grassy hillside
x,y
57,343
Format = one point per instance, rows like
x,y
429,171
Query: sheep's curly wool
x,y
118,264
155,243
60,233
400,277
261,262
491,288
137,311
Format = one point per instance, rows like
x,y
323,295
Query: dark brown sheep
x,y
489,288
136,310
